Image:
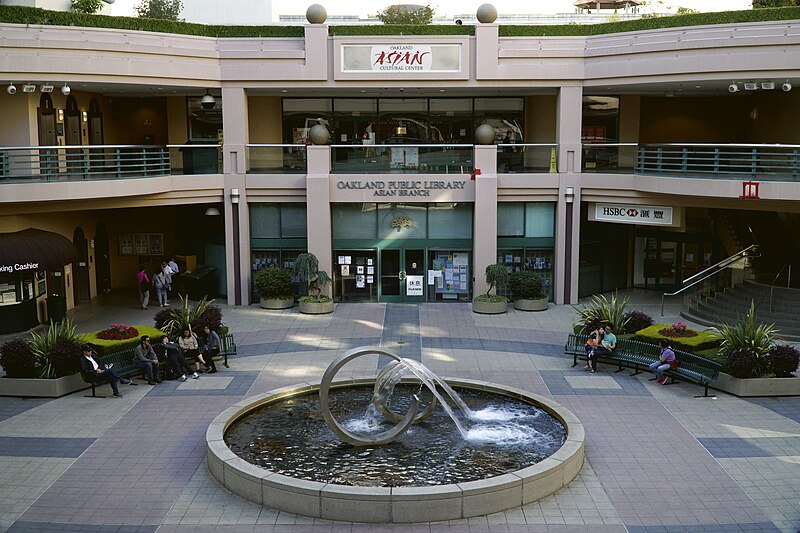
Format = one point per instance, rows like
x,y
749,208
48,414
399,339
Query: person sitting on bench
x,y
144,357
176,359
212,347
607,345
96,371
666,361
191,349
592,343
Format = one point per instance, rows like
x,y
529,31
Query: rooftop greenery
x,y
31,15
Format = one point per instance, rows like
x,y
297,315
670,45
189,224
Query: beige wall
x,y
540,118
16,121
265,119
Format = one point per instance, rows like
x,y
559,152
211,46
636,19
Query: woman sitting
x,y
191,349
211,348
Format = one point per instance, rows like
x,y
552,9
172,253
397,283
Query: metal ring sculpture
x,y
347,436
387,413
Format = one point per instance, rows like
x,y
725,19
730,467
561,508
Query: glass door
x,y
402,275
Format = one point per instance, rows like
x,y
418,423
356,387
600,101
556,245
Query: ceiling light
x,y
208,101
768,85
47,88
212,212
750,86
732,88
29,88
786,87
12,90
65,90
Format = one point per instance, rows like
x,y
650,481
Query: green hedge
x,y
33,15
655,23
103,346
703,341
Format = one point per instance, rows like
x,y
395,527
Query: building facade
x,y
620,160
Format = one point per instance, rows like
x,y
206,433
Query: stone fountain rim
x,y
393,504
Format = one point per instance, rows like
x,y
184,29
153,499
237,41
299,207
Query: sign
x,y
401,57
750,190
400,187
17,267
634,214
414,285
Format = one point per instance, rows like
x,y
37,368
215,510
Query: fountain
x,y
344,450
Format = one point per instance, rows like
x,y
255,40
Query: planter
x,y
750,387
316,308
41,388
489,308
523,304
276,303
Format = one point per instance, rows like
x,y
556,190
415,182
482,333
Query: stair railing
x,y
713,270
772,286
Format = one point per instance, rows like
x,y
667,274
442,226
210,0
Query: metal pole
x,y
662,305
789,279
771,290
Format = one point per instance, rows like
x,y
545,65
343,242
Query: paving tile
x,y
43,447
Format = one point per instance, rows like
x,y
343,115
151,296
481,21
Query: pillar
x,y
318,205
484,241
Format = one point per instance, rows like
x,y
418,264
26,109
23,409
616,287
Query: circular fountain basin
x,y
402,504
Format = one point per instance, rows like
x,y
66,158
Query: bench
x,y
227,347
640,355
123,364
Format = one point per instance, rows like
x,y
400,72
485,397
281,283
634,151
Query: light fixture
x,y
47,88
61,115
569,195
234,196
85,116
768,85
65,90
29,88
750,86
11,89
786,87
212,212
208,101
733,88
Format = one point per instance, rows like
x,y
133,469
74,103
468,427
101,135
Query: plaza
x,y
657,458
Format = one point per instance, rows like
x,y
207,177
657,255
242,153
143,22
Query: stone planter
x,y
316,308
41,388
523,304
751,387
489,308
276,303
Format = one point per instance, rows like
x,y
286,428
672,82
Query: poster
x,y
369,260
359,269
414,285
140,244
348,260
125,244
345,270
370,279
370,270
359,282
340,260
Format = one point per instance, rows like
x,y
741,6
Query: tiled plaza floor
x,y
657,459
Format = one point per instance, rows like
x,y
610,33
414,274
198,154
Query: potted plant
x,y
526,286
274,286
492,304
307,267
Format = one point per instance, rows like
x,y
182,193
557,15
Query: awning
x,y
33,249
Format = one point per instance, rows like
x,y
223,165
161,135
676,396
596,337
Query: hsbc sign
x,y
634,214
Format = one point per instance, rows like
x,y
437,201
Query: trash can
x,y
200,160
57,308
200,282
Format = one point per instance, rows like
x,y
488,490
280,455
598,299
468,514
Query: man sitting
x,y
607,345
173,354
93,370
144,357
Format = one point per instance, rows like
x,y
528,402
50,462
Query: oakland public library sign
x,y
358,189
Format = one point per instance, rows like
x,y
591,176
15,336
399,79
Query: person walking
x,y
666,361
143,284
161,286
167,271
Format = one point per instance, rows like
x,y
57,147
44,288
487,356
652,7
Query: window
x,y
204,124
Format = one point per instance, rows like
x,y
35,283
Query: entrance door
x,y
402,275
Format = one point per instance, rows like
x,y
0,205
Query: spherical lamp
x,y
487,13
319,134
484,134
316,14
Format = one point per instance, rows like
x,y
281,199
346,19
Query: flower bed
x,y
690,340
118,332
679,330
106,346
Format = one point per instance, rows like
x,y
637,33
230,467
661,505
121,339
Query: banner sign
x,y
17,267
414,285
401,57
634,214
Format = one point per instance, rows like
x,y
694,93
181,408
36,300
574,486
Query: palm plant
x,y
601,311
42,344
306,267
183,316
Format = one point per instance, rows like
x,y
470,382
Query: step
x,y
714,314
705,320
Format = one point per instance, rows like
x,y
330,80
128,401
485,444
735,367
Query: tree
x,y
160,9
87,6
775,3
685,11
401,14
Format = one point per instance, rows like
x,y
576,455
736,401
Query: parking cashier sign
x,y
634,214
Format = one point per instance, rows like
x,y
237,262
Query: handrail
x,y
722,265
194,146
77,146
273,145
772,286
724,145
402,145
526,144
608,144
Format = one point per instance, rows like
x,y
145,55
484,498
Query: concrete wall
x,y
265,119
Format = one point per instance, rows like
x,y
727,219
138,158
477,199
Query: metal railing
x,y
749,252
527,158
23,164
402,158
277,159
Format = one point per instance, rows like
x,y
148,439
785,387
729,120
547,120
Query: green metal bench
x,y
227,347
640,355
123,364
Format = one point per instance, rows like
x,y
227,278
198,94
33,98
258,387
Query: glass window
x,y
204,123
511,220
452,119
265,221
402,221
600,119
539,219
301,114
355,120
293,221
450,221
505,115
404,121
354,221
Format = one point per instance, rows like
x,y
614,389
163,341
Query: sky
x,y
450,7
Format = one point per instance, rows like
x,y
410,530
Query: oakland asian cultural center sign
x,y
401,57
649,215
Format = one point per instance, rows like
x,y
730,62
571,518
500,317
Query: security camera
x,y
11,89
786,87
208,101
733,88
65,90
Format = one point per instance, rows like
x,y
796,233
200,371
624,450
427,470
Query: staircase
x,y
733,304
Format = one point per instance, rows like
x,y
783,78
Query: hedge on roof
x,y
33,15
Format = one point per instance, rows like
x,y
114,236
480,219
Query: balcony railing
x,y
609,157
277,159
402,159
20,164
526,158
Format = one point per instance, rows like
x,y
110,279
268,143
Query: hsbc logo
x,y
628,214
633,213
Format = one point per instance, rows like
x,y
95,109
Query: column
x,y
318,205
237,216
486,50
484,241
569,120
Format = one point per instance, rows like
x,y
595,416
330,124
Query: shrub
x,y
118,332
702,340
782,360
748,334
104,346
306,267
64,356
637,320
679,330
211,317
172,321
526,285
17,359
87,6
42,344
601,311
741,363
274,283
496,276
